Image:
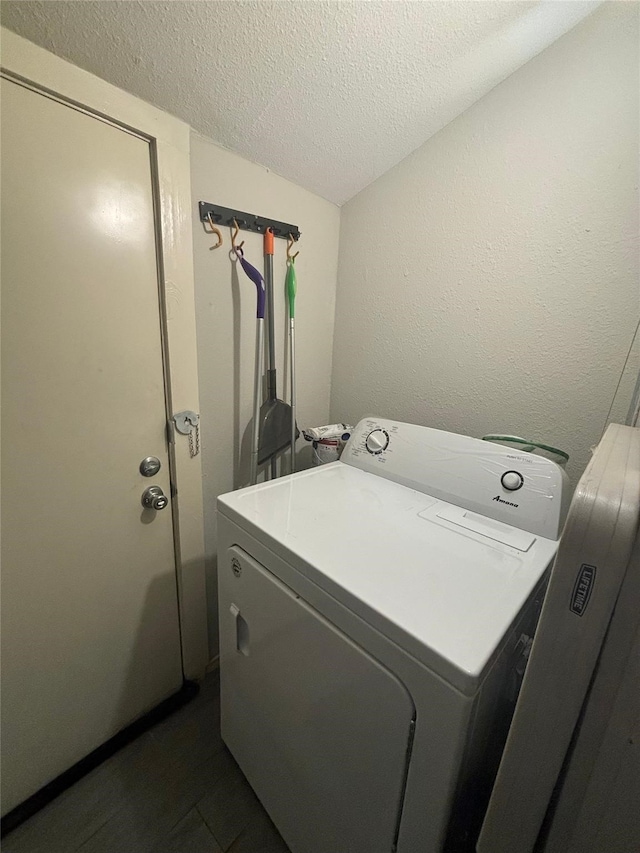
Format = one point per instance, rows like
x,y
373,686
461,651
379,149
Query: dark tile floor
x,y
176,789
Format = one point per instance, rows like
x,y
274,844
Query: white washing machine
x,y
374,623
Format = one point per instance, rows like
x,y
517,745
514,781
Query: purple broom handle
x,y
256,278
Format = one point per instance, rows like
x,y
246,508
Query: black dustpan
x,y
275,426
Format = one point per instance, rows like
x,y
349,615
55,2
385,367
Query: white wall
x,y
489,282
226,309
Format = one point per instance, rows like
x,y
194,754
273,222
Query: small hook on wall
x,y
214,230
234,237
290,242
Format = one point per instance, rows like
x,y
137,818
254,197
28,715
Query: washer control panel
x,y
512,480
517,488
377,441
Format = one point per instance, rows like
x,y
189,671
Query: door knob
x,y
154,498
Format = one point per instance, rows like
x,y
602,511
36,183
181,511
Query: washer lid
x,y
445,592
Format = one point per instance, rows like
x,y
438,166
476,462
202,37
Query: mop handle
x,y
257,399
291,288
268,250
270,316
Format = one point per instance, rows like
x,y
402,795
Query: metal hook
x,y
290,242
214,230
234,236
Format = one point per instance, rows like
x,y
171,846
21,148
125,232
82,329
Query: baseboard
x,y
65,780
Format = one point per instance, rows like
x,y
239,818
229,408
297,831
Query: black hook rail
x,y
246,221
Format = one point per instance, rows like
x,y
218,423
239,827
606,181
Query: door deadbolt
x,y
154,498
150,466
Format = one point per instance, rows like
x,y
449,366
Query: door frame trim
x,y
169,140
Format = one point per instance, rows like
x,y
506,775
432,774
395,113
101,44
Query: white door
x,y
90,636
321,729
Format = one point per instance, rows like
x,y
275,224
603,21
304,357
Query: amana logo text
x,y
508,503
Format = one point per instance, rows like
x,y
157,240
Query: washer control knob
x,y
512,480
377,441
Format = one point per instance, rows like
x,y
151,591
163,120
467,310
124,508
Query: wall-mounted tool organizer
x,y
246,221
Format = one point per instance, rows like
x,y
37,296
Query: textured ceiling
x,y
329,94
